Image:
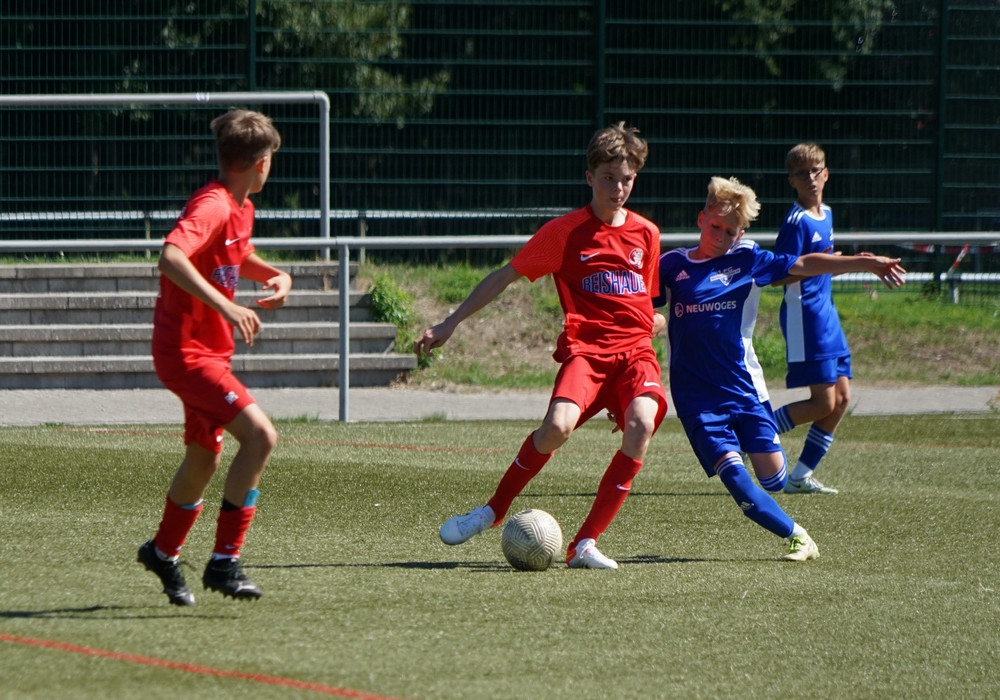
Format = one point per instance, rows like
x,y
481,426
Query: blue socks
x,y
784,422
776,482
755,503
815,448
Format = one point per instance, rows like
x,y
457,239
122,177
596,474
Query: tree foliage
x,y
344,45
825,27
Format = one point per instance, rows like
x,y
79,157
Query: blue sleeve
x,y
789,240
661,294
770,267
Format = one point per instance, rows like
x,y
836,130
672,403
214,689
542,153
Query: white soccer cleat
x,y
462,528
586,555
801,548
808,485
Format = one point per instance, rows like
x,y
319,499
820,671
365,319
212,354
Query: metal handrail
x,y
344,244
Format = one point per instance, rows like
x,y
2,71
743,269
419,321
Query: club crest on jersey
x,y
635,258
725,276
227,276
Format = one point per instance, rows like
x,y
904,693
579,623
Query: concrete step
x,y
110,308
85,340
90,327
142,277
123,372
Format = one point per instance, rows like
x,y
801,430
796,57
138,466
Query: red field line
x,y
294,441
192,668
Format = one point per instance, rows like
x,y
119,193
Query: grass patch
x,y
897,337
360,594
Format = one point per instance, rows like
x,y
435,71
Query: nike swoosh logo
x,y
517,461
230,242
585,258
651,384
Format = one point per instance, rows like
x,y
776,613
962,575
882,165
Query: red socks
x,y
525,466
611,494
232,530
177,522
175,525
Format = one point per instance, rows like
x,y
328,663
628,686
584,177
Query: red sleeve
x,y
204,217
543,253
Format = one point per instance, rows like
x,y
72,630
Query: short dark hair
x,y
243,137
616,143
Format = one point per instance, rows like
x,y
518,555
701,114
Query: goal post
x,y
36,185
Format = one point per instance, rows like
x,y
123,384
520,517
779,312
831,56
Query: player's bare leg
x,y
826,407
257,439
184,504
639,426
558,425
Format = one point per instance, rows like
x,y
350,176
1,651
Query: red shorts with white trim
x,y
212,398
611,382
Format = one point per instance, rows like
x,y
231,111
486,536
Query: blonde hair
x,y
804,155
732,197
243,137
617,143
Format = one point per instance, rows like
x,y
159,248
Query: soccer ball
x,y
531,540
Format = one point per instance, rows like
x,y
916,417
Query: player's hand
x,y
614,422
244,320
279,285
888,270
659,323
433,337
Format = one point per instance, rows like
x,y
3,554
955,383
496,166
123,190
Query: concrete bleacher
x,y
89,326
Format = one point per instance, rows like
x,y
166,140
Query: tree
x,y
835,29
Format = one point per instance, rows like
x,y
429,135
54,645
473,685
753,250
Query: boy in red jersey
x,y
603,259
203,258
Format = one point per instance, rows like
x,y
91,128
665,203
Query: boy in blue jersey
x,y
815,347
711,295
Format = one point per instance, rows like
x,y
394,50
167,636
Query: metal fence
x,y
442,106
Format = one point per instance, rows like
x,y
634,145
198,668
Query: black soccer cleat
x,y
227,577
169,573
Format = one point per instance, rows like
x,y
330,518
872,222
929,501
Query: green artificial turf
x,y
361,597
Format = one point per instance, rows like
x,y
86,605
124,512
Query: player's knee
x,y
552,434
641,427
842,402
262,437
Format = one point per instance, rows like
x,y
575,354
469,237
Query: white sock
x,y
800,473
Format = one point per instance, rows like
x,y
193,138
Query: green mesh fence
x,y
484,109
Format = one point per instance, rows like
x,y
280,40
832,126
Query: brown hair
x,y
243,137
804,154
617,143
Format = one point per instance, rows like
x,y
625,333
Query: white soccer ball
x,y
531,540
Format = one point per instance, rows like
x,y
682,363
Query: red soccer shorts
x,y
212,397
596,383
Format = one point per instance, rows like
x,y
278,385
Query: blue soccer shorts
x,y
818,372
731,428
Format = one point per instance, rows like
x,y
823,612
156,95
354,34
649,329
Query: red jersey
x,y
213,231
605,276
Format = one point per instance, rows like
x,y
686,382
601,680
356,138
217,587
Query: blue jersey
x,y
711,316
809,319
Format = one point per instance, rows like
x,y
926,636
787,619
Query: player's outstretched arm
x,y
886,269
486,291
